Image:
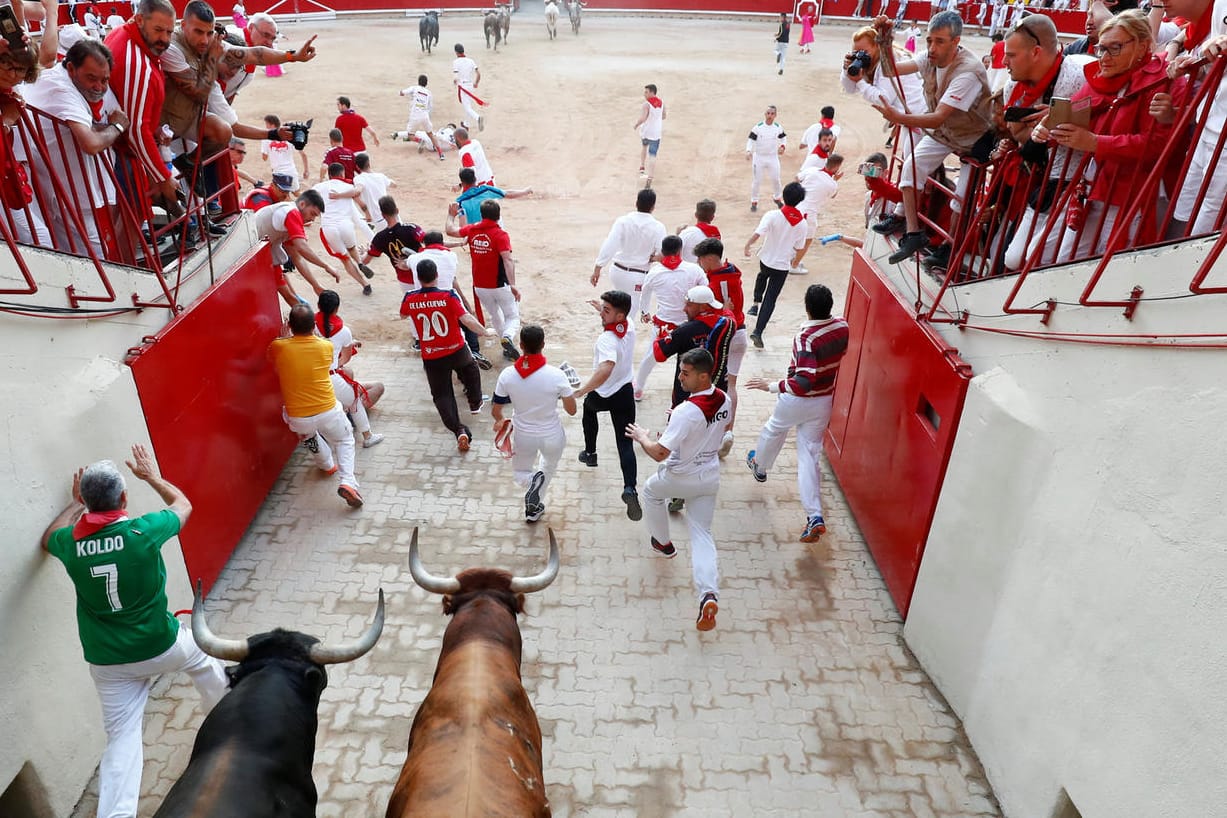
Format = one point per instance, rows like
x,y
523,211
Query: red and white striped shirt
x,y
816,352
140,85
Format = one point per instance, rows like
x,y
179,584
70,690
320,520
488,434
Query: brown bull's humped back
x,y
475,745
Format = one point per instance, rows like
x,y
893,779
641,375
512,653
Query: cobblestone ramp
x,y
803,702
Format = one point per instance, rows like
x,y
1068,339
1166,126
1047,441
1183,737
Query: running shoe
x,y
634,511
351,496
707,613
509,349
482,361
726,445
588,459
676,504
664,549
752,463
464,439
532,498
373,440
815,527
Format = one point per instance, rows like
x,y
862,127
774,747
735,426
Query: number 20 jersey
x,y
436,316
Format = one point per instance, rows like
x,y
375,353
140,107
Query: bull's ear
x,y
315,677
520,603
447,605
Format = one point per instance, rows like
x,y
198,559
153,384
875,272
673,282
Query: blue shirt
x,y
470,201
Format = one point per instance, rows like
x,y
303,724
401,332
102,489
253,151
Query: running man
x,y
666,284
724,279
438,316
821,186
533,388
280,154
341,201
352,125
650,125
691,235
494,271
467,77
421,104
609,390
783,234
473,155
805,402
764,147
690,470
632,243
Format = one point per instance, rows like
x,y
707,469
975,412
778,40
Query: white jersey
x,y
820,188
464,71
780,240
445,262
654,125
280,156
609,347
766,140
340,339
473,155
810,138
632,241
336,211
693,438
534,399
691,236
374,186
669,287
421,102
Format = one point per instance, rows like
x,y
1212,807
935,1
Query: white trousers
x,y
629,283
767,167
531,450
649,358
810,416
331,430
1096,228
501,309
352,403
470,108
123,691
1203,213
700,496
1024,246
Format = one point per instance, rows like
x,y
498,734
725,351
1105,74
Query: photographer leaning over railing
x,y
864,75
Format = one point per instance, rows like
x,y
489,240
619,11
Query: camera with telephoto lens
x,y
861,61
299,133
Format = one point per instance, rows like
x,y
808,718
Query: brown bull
x,y
475,744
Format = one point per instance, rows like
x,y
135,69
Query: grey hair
x,y
148,7
235,142
949,20
262,17
102,486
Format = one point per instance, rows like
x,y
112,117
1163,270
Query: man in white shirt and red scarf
x,y
533,388
632,243
667,283
690,470
691,235
783,234
805,402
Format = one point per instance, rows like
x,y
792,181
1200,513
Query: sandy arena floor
x,y
805,700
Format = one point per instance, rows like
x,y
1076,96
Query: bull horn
x,y
230,650
527,585
327,655
436,585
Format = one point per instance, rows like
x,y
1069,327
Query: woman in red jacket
x,y
1123,139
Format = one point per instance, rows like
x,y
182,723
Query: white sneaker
x,y
373,440
726,445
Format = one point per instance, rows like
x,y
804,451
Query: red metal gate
x,y
897,407
213,408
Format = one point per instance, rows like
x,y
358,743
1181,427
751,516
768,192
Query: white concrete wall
x,y
69,400
1072,599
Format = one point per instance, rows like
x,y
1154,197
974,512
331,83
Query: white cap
x,y
702,295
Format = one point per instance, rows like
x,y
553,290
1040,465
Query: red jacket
x,y
140,86
1129,138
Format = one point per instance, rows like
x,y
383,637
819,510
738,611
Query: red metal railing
x,y
96,207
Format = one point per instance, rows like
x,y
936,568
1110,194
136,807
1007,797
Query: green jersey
x,y
120,579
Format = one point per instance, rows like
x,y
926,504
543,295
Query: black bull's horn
x,y
235,650
451,585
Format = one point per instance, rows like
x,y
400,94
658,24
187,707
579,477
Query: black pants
x,y
621,408
766,290
439,376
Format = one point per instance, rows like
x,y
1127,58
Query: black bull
x,y
475,744
253,754
428,30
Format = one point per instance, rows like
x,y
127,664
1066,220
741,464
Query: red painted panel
x,y
213,408
896,410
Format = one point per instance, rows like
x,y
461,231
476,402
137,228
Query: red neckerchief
x,y
1108,86
336,324
709,316
671,262
709,230
820,153
792,214
709,403
655,102
436,247
250,69
528,364
95,109
93,521
1026,94
829,124
619,329
828,172
1198,30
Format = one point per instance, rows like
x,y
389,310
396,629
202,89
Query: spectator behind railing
x,y
1123,136
17,65
87,123
871,82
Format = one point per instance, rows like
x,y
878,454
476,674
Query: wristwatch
x,y
117,127
289,55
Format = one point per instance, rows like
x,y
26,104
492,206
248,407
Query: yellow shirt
x,y
302,363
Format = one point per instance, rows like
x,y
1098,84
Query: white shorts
x,y
419,122
811,225
338,238
926,158
737,352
